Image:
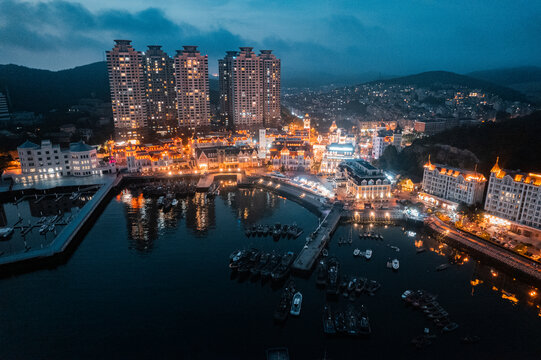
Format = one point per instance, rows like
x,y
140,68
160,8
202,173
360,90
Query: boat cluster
x,y
167,202
277,231
352,322
258,263
370,235
328,274
290,302
156,189
427,303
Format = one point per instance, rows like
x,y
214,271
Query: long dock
x,y
318,240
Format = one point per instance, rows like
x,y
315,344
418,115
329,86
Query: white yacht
x,y
368,254
395,264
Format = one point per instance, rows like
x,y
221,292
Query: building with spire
x,y
160,91
515,196
448,187
192,88
128,95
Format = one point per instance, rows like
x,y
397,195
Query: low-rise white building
x,y
457,186
47,161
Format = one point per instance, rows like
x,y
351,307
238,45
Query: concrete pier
x,y
66,236
318,240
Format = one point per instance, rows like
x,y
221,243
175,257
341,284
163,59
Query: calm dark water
x,y
144,284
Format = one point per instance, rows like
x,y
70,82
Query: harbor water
x,y
147,284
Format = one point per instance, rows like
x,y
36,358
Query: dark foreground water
x,y
144,284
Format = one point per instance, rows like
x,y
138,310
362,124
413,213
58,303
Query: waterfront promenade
x,y
525,266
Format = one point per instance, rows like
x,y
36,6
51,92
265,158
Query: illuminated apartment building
x,y
271,81
192,88
160,91
514,196
128,95
250,89
448,187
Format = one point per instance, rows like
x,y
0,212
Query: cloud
x,y
308,35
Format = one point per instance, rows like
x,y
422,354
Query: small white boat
x,y
356,252
395,264
395,248
43,229
406,294
368,254
296,304
411,233
174,202
325,252
6,232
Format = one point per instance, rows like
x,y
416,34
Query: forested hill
x,y
515,141
43,90
444,79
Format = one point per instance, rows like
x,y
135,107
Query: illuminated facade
x,y
225,70
192,88
249,89
128,96
226,157
455,185
48,161
292,154
334,155
160,90
384,138
365,182
514,196
155,158
271,81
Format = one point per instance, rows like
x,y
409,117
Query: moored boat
x,y
296,304
395,264
368,254
283,269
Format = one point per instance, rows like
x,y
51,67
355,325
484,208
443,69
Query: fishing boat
x,y
321,273
325,252
356,252
328,322
368,254
395,264
174,202
283,269
450,327
43,229
364,322
284,305
160,201
278,354
296,304
333,270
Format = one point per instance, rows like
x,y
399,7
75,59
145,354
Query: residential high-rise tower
x,y
128,95
160,91
192,88
270,77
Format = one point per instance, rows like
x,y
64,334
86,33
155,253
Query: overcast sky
x,y
335,37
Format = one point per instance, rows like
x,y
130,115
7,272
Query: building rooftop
x,y
28,145
80,147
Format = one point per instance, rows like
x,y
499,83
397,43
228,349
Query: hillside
x,y
444,79
526,79
43,90
515,141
